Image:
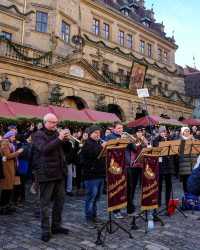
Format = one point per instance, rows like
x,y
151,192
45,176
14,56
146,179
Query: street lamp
x,y
6,84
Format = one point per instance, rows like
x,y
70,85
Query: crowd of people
x,y
56,161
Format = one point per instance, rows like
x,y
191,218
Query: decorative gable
x,y
78,68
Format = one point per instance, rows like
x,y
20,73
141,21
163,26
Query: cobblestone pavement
x,y
21,231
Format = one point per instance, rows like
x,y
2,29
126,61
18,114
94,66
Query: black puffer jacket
x,y
71,152
48,156
93,168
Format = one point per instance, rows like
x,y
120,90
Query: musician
x,y
134,167
93,173
197,135
48,164
70,148
186,162
117,133
166,168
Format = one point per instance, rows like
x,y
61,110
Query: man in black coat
x,y
48,165
93,174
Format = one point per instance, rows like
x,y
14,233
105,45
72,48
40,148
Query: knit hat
x,y
12,126
9,134
93,128
183,129
162,129
139,129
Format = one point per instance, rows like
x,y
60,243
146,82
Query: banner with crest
x,y
150,183
137,77
116,179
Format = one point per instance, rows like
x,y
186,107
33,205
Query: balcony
x,y
116,79
22,53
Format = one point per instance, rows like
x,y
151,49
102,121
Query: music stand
x,y
108,225
170,148
151,152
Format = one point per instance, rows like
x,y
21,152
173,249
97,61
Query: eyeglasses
x,y
54,122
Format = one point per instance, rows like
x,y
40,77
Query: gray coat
x,y
186,162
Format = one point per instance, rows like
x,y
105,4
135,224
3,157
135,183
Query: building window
x,y
95,64
125,12
65,31
160,55
106,31
6,35
41,21
149,49
142,46
165,57
121,37
121,72
96,27
105,67
129,41
147,24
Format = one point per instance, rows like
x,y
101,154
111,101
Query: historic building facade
x,y
79,53
192,88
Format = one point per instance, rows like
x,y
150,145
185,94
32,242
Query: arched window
x,y
23,95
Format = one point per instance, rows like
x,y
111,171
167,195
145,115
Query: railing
x,y
122,81
117,79
21,53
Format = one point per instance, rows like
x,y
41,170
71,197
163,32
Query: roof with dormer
x,y
136,10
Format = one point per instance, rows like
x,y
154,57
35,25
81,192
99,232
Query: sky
x,y
182,16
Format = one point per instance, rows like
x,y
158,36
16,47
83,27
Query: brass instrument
x,y
69,136
131,138
72,138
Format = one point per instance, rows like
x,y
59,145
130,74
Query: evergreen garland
x,y
17,48
129,55
24,122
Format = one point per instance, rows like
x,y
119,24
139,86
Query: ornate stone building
x,y
192,88
82,52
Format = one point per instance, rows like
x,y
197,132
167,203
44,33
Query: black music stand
x,y
186,147
108,226
171,148
144,214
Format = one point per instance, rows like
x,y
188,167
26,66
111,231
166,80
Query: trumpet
x,y
73,139
130,137
69,136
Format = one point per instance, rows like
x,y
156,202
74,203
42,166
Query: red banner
x,y
137,77
150,179
116,179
